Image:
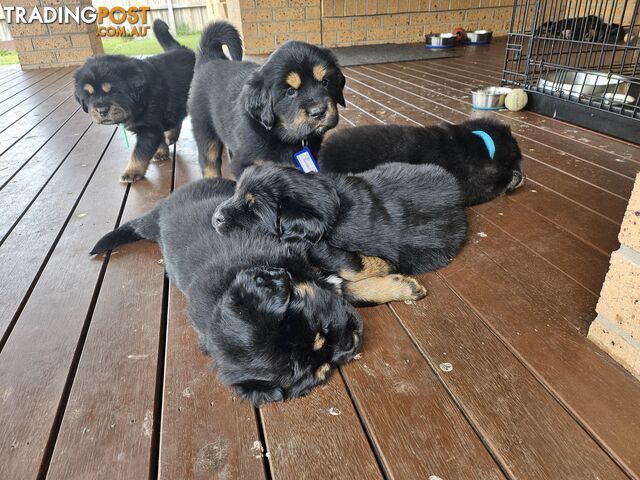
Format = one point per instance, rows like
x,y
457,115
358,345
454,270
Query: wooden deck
x,y
101,377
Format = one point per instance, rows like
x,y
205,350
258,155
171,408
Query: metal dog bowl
x,y
440,40
618,99
576,84
479,37
489,98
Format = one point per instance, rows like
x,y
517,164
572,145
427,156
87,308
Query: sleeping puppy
x,y
274,325
395,218
261,113
148,96
482,154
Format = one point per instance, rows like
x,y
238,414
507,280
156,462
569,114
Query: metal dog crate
x,y
578,60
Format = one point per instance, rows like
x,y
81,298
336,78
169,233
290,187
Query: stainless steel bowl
x,y
440,40
489,98
576,84
479,36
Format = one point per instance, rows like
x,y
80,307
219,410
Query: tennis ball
x,y
516,100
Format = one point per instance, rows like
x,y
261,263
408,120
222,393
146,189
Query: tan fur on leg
x,y
162,154
386,289
213,167
136,168
371,267
171,136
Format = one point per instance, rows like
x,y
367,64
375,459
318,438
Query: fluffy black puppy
x,y
454,147
395,218
261,113
273,324
149,96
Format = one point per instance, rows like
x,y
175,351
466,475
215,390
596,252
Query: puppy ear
x,y
257,101
341,82
298,224
262,289
81,102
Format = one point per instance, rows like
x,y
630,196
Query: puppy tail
x,y
217,34
142,228
165,39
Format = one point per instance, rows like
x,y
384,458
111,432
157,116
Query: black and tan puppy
x,y
482,153
395,218
261,113
148,96
273,323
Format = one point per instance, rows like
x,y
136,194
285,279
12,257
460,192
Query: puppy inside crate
x,y
148,96
261,113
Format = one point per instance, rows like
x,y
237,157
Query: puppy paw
x,y
409,288
161,157
131,177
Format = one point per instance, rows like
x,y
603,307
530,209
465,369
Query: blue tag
x,y
306,162
488,141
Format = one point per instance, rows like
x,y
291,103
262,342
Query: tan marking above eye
x,y
321,372
294,80
88,88
319,71
249,198
106,87
318,342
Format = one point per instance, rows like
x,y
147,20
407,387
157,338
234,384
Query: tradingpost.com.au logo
x,y
112,22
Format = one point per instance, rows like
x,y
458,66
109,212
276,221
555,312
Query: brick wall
x,y
616,329
362,22
265,24
53,45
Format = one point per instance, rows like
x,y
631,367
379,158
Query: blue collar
x,y
488,141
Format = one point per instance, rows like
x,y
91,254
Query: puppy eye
x,y
325,82
291,92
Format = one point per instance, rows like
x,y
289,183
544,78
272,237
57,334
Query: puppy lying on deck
x,y
482,153
273,323
400,218
148,96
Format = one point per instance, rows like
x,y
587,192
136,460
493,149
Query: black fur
x,y
410,215
453,147
258,306
252,109
589,28
148,95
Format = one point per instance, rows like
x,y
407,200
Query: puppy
x,y
261,113
395,218
148,96
482,154
272,323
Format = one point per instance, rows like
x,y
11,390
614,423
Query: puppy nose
x,y
218,218
356,343
317,111
102,110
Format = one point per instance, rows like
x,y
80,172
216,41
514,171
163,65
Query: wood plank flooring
x,y
489,377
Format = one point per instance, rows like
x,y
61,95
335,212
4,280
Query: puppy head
x,y
111,88
508,158
296,91
280,201
281,332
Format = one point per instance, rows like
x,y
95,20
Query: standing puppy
x,y
261,113
148,96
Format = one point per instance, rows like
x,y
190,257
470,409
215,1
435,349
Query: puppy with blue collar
x,y
482,153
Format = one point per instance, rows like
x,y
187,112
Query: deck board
x,y
100,356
